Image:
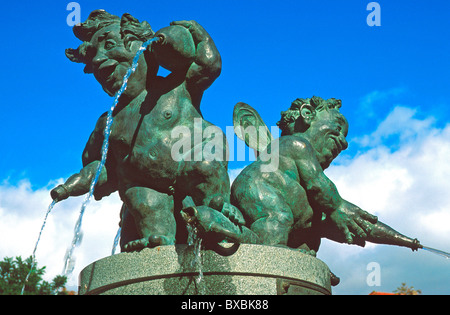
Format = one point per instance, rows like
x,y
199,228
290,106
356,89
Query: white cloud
x,y
407,188
22,212
369,102
400,124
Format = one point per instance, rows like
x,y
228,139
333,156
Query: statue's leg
x,y
266,211
129,232
206,182
153,215
273,226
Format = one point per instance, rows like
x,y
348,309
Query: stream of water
x,y
437,252
116,241
69,260
195,243
33,256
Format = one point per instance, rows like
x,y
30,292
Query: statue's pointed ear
x,y
308,113
73,55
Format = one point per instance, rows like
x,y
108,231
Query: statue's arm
x,y
201,68
320,189
207,64
324,196
79,184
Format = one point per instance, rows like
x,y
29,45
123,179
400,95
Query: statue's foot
x,y
304,248
150,242
308,252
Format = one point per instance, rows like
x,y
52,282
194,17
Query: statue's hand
x,y
233,213
197,31
353,221
60,193
228,210
212,223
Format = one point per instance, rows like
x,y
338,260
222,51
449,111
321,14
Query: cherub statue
x,y
297,204
139,164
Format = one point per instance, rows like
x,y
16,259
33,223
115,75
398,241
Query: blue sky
x,y
393,81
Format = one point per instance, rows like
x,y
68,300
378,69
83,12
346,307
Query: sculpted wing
x,y
250,128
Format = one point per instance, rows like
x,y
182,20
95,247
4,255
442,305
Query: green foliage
x,y
13,273
405,290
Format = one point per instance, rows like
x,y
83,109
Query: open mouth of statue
x,y
106,70
339,146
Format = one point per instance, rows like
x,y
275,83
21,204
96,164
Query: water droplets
x,y
195,243
437,252
116,241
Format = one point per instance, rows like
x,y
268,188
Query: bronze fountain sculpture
x,y
292,205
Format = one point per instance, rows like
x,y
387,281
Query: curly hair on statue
x,y
293,113
131,30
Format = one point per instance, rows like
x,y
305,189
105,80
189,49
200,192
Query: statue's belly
x,y
151,163
145,142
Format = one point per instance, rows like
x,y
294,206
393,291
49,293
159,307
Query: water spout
x,y
33,256
195,242
436,251
116,241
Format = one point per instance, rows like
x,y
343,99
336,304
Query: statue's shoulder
x,y
295,146
294,142
101,123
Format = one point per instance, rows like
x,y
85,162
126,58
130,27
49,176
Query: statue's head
x,y
109,45
322,121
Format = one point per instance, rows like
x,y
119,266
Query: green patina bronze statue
x,y
139,164
292,203
297,204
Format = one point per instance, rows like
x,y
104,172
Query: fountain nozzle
x,y
416,245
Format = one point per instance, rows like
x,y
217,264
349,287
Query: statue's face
x,y
112,61
328,131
